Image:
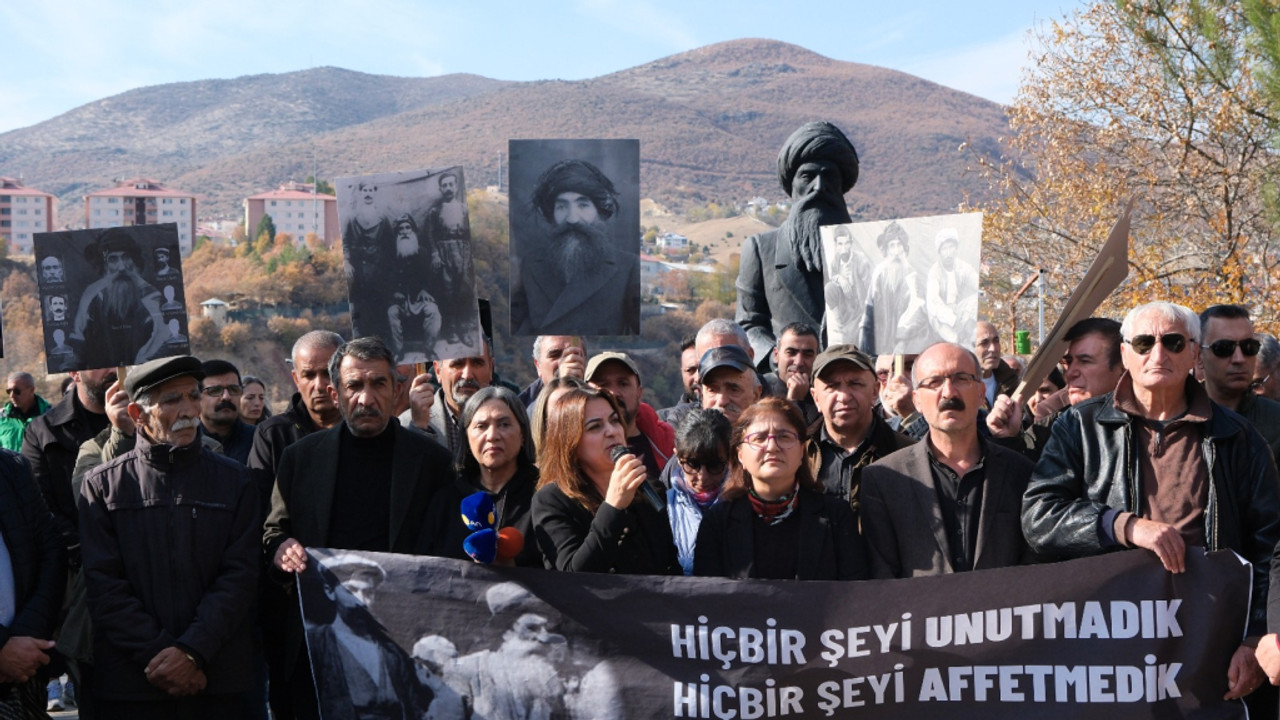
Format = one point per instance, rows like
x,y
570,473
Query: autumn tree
x,y
1135,100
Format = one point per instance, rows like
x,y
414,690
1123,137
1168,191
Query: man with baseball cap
x,y
851,434
729,380
177,625
648,438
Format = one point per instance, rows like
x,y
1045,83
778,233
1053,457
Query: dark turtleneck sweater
x,y
362,493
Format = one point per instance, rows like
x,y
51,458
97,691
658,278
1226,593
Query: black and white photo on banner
x,y
406,242
111,296
575,242
898,286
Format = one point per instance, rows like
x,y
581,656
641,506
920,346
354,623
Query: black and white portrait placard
x,y
406,239
575,242
111,296
898,286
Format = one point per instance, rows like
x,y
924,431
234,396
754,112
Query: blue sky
x,y
64,54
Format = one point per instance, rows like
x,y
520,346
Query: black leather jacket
x,y
1088,467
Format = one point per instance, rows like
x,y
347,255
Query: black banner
x,y
1114,636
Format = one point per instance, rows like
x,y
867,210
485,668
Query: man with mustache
x,y
459,378
220,410
365,484
780,277
172,638
1156,464
119,320
951,502
449,237
578,284
413,314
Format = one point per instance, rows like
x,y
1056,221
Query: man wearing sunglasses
x,y
1229,355
852,434
950,502
1158,465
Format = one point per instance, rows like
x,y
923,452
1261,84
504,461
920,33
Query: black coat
x,y
170,559
634,541
50,445
35,551
1089,468
271,437
829,546
774,291
425,515
514,507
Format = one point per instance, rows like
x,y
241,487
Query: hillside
x,y
710,122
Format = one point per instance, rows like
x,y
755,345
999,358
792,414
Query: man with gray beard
x,y
780,278
578,284
119,321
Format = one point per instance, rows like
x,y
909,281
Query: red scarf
x,y
774,511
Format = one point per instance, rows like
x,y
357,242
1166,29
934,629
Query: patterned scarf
x,y
703,500
774,511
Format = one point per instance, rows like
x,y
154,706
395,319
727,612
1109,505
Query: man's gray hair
x,y
364,348
537,344
316,339
25,378
723,326
1269,355
1171,312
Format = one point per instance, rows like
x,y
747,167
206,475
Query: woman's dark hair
x,y
558,456
739,479
470,466
704,434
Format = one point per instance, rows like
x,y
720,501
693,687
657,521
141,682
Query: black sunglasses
x,y
1226,348
1143,344
711,468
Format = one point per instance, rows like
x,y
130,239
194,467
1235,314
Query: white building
x,y
23,212
143,202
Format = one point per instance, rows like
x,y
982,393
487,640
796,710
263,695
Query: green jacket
x,y
11,428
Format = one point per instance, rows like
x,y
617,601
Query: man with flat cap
x,y
780,278
578,284
169,537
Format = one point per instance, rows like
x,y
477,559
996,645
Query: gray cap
x,y
843,353
153,373
730,356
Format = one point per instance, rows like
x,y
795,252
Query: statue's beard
x,y
581,249
800,229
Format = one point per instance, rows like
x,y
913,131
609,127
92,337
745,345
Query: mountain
x,y
710,122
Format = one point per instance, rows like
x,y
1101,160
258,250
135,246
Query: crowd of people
x,y
151,525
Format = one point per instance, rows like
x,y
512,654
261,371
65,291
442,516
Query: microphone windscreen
x,y
477,511
618,451
482,546
510,543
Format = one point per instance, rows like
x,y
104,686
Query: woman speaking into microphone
x,y
590,513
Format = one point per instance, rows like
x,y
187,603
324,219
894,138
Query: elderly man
x,y
173,638
459,378
648,438
220,410
997,377
1229,354
24,406
553,356
852,434
729,382
1158,465
579,283
949,503
365,484
780,277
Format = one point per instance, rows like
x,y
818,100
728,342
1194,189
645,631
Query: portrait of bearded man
x,y
581,282
780,277
119,319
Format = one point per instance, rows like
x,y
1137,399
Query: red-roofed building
x,y
23,212
295,209
143,202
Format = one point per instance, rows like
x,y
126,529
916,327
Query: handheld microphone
x,y
478,511
651,495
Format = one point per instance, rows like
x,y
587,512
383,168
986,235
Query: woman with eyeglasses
x,y
589,514
696,475
773,521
